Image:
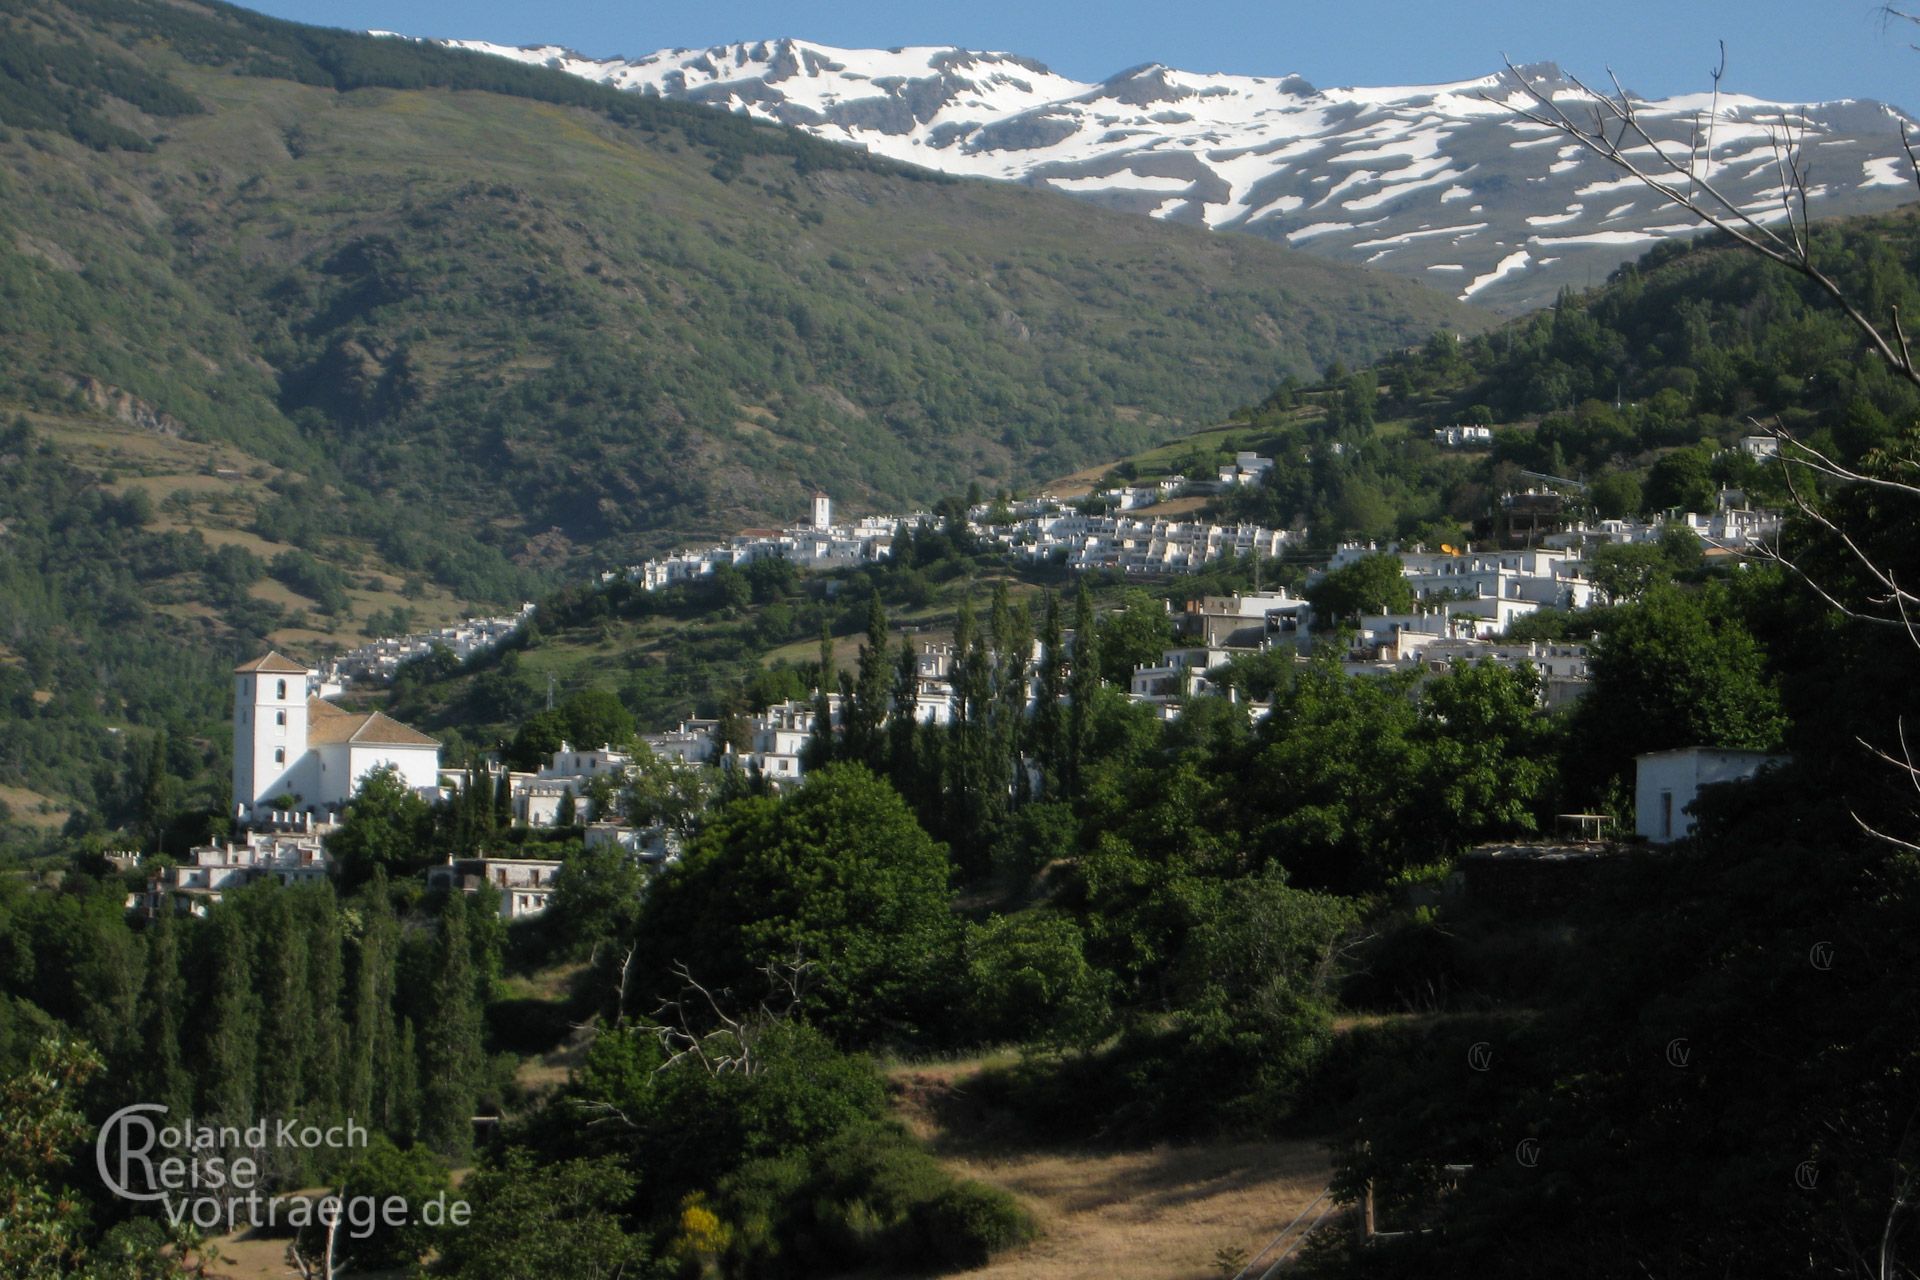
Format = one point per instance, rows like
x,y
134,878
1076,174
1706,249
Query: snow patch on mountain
x,y
1279,157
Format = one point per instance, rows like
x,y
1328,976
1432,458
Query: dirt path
x,y
1156,1213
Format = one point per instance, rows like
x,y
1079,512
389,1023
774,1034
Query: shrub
x,y
970,1222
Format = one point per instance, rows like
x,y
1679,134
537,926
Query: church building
x,y
290,746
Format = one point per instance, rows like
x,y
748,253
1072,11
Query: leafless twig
x,y
1684,178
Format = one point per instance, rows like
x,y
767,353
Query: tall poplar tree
x,y
1049,721
450,1050
903,731
1012,646
972,788
1083,679
819,748
376,1073
286,1016
230,1020
319,914
163,1072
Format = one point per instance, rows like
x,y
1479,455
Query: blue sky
x,y
1782,49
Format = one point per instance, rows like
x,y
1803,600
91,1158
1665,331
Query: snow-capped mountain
x,y
1441,182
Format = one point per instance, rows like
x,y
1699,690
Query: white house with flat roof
x,y
525,885
1666,783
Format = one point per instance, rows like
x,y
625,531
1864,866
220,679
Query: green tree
x,y
596,900
533,1221
1137,634
1325,791
666,790
43,1226
1048,729
535,741
837,874
1371,584
287,1018
163,1070
867,708
1681,480
378,1085
1083,682
229,1020
1616,495
1028,978
1259,929
1486,760
596,718
381,1172
1623,571
387,825
821,744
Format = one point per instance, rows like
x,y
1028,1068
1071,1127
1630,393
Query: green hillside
x,y
1636,391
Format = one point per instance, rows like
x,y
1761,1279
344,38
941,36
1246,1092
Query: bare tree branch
x,y
728,1047
1686,181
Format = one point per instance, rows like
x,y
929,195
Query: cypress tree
x,y
104,970
482,799
503,799
403,1086
569,814
155,800
971,789
1012,643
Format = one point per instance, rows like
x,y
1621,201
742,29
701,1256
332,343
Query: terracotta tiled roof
x,y
384,730
328,724
270,663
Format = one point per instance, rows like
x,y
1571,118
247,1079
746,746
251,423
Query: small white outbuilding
x,y
1666,783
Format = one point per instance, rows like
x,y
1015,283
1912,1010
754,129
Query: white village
x,y
299,758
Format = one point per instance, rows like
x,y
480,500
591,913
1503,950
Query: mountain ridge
x,y
1440,182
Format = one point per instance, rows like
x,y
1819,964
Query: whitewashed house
x,y
525,885
692,742
217,869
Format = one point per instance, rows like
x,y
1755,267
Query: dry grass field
x,y
1164,1212
33,808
